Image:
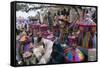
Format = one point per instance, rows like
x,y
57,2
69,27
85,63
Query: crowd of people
x,y
66,46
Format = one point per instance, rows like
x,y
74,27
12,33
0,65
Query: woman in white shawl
x,y
43,49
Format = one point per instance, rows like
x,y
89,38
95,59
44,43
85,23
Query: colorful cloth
x,y
74,55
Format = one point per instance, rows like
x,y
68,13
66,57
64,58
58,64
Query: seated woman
x,y
25,49
43,49
39,51
57,55
28,56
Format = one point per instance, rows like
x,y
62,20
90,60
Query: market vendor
x,y
25,49
57,55
43,49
